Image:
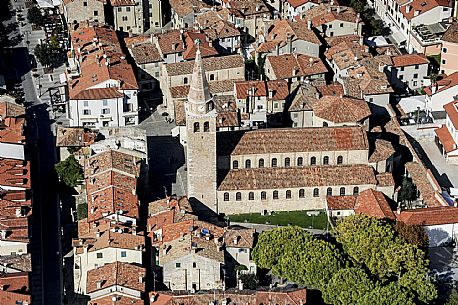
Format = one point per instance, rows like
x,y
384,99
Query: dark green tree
x,y
34,16
452,298
70,171
408,191
391,294
249,280
347,286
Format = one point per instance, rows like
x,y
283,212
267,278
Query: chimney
x,y
361,40
18,212
271,93
97,234
408,8
277,50
416,13
338,9
240,285
381,67
317,95
3,234
99,284
140,278
309,24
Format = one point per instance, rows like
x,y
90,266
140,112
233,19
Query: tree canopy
x,y
413,234
70,171
367,262
34,16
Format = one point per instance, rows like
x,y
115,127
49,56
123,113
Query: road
x,y
45,241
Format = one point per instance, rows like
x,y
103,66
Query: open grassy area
x,y
298,218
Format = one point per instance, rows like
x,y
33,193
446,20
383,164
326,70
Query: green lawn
x,y
298,218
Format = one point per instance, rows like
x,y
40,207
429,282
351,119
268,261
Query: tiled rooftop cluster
x,y
15,205
98,53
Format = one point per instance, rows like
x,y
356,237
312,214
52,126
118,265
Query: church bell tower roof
x,y
198,91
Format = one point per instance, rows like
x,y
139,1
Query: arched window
x,y
248,163
261,163
185,80
275,195
329,191
196,127
301,193
235,164
288,194
300,161
212,76
339,160
250,196
325,124
274,162
355,190
287,162
238,196
263,195
316,192
206,126
313,161
342,191
325,160
226,196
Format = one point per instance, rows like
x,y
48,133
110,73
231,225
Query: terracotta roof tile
x,y
8,108
443,84
209,63
429,216
451,35
145,53
116,274
409,60
381,151
294,177
301,140
74,137
279,89
325,13
120,300
385,179
295,65
446,139
419,175
12,129
206,49
340,202
418,7
17,282
112,160
15,173
186,7
19,262
237,237
341,109
452,112
373,203
13,298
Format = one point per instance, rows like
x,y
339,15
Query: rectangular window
x,y
104,102
402,68
401,77
330,26
178,265
99,255
415,75
443,61
84,3
119,9
194,265
124,18
127,9
106,111
96,13
341,25
85,103
86,112
416,67
123,254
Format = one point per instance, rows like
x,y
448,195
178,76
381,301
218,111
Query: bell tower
x,y
201,139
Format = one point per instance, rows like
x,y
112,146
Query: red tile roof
x,y
443,84
409,60
11,129
117,273
13,298
341,109
301,140
14,173
9,108
418,7
101,59
451,35
446,139
452,112
341,202
429,216
18,282
120,300
326,13
373,203
206,49
279,88
295,65
295,177
98,94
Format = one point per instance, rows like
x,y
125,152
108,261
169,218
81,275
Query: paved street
x,y
45,239
168,168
